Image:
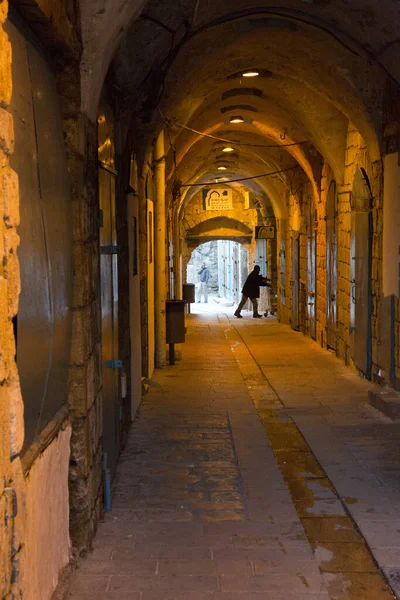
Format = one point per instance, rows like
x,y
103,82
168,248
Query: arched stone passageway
x,y
132,132
228,263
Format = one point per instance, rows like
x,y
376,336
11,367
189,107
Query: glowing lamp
x,y
251,73
236,119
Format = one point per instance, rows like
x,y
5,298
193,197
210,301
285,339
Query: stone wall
x,y
46,532
11,406
300,219
26,542
85,401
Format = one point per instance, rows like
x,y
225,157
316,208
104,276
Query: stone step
x,y
387,401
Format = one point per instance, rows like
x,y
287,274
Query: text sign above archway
x,y
217,199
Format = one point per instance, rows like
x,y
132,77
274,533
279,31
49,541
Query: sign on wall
x,y
217,199
265,232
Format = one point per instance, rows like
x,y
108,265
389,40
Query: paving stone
x,y
198,567
357,586
330,529
201,508
163,583
273,582
268,596
176,595
344,558
150,550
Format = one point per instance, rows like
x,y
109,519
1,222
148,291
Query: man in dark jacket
x,y
204,278
251,289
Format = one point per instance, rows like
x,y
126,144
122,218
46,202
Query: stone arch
x,y
220,226
104,23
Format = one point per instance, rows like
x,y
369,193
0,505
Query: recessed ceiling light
x,y
222,168
227,149
236,119
251,73
221,179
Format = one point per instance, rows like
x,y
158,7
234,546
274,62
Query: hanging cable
x,y
237,142
213,183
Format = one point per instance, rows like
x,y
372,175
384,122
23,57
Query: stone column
x,y
160,263
177,255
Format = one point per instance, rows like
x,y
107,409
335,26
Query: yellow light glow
x,y
227,149
221,168
251,73
236,120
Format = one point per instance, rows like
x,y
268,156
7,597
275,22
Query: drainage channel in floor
x,y
344,558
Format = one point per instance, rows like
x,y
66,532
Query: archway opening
x,y
218,269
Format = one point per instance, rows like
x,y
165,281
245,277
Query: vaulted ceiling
x,y
321,65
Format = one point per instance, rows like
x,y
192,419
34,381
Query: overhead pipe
x,y
160,254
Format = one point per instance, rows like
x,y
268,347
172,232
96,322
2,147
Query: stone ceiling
x,y
323,64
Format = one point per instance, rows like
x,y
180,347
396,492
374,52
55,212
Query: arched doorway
x,y
331,266
360,273
228,262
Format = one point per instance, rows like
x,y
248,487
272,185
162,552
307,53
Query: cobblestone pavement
x,y
253,471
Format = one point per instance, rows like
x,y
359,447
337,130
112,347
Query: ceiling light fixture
x,y
227,149
222,168
236,119
251,73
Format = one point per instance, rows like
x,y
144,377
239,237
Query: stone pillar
x,y
84,398
391,226
160,263
177,255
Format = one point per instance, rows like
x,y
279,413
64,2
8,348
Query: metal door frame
x,y
110,360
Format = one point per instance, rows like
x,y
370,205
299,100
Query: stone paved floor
x,y
250,474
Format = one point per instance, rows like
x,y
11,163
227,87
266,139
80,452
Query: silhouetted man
x,y
251,289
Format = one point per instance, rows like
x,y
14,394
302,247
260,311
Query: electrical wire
x,y
237,142
213,183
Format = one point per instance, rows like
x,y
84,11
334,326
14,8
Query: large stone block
x,y
10,192
12,271
5,69
5,331
17,429
6,131
85,331
75,133
86,272
84,385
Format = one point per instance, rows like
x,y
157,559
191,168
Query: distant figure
x,y
251,289
204,277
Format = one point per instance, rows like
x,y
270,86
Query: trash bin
x,y
175,314
189,294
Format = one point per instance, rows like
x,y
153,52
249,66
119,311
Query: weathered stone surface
x,y
5,76
6,132
10,191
